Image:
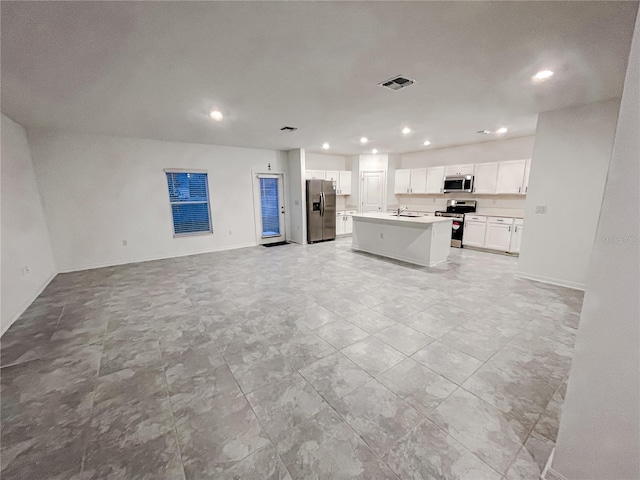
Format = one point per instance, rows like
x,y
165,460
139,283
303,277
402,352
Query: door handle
x,y
509,227
322,203
282,209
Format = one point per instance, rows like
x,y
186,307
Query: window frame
x,y
208,202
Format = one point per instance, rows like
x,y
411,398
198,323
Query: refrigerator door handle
x,y
322,204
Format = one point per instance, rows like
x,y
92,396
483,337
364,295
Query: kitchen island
x,y
421,240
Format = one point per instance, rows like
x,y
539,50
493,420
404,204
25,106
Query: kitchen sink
x,y
403,215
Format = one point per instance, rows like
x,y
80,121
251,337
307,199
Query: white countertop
x,y
393,218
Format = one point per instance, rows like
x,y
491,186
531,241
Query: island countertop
x,y
393,218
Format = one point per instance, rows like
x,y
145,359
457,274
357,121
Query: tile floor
x,y
292,362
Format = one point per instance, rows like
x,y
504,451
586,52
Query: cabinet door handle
x,y
526,188
519,189
516,229
509,227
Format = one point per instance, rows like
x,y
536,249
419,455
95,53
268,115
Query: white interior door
x,y
269,208
373,192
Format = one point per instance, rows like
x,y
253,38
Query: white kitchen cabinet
x,y
412,180
435,180
402,181
348,221
485,178
314,174
525,182
331,175
418,180
459,170
498,234
343,187
340,223
474,230
516,235
511,176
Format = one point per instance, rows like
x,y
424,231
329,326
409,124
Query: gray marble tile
x,y
373,355
335,376
449,362
430,324
397,311
300,349
260,368
428,452
418,385
370,321
478,345
341,333
403,338
132,433
324,447
265,464
217,437
486,431
549,421
282,405
378,415
515,392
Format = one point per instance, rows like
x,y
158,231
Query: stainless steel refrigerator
x,y
321,210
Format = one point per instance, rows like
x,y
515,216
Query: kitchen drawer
x,y
519,222
474,218
501,220
350,212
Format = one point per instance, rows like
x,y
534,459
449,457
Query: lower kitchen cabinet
x,y
516,235
344,222
474,231
498,236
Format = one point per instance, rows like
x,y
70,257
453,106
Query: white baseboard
x,y
551,474
158,257
26,304
552,281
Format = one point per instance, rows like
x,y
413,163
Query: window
x,y
189,198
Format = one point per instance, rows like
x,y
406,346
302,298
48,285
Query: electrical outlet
x,y
25,270
381,236
124,243
230,232
541,209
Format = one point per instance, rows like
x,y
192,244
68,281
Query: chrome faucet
x,y
401,209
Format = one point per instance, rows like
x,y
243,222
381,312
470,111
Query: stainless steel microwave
x,y
458,183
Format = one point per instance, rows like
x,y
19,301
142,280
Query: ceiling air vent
x,y
289,129
397,83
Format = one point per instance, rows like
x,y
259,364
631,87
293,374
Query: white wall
x,y
496,151
321,161
569,166
297,196
25,238
100,190
599,434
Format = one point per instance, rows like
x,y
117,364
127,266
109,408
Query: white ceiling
x,y
155,69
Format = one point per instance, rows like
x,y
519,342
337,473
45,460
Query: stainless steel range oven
x,y
456,210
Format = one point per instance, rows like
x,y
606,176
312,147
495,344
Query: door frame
x,y
257,210
384,189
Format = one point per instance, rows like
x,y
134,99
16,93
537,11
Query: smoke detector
x,y
289,129
397,83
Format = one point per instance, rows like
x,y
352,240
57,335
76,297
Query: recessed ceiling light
x,y
543,75
406,131
374,151
426,143
364,140
216,115
326,146
502,130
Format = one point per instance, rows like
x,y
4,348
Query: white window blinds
x,y
189,198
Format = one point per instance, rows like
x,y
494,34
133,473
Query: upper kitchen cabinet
x,y
410,181
525,182
486,178
314,174
331,175
435,180
511,176
343,186
458,170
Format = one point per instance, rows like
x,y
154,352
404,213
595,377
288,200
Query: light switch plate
x,y
541,209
